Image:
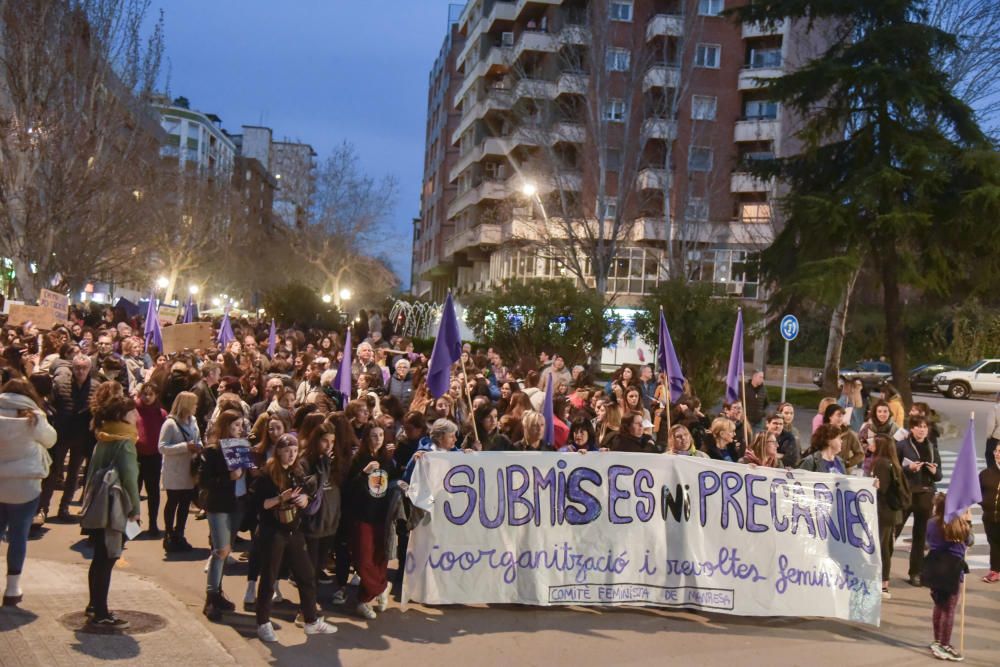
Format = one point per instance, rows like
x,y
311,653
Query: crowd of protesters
x,y
324,494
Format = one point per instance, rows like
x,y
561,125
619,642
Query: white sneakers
x,y
365,611
340,597
277,597
382,601
320,627
266,633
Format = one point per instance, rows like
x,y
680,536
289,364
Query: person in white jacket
x,y
25,438
180,443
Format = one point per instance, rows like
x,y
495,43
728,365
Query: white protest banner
x,y
57,305
167,314
647,529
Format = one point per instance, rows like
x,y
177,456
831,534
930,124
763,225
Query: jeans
x,y
149,477
99,575
920,508
15,522
175,512
222,527
290,549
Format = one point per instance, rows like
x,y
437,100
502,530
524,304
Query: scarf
x,y
115,431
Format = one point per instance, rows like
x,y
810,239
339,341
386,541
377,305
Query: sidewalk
x,y
36,632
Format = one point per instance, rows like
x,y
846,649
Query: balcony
x,y
660,76
751,30
756,130
652,178
572,83
485,190
574,34
568,132
521,4
648,229
531,40
664,25
480,235
752,234
490,146
745,182
659,128
496,99
751,79
503,10
535,88
498,57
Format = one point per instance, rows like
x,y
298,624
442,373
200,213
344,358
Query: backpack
x,y
96,495
897,496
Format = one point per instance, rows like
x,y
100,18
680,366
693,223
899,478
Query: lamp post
x,y
530,190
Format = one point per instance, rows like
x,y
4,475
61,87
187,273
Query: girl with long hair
x,y
281,495
320,461
179,444
948,541
367,484
891,480
763,450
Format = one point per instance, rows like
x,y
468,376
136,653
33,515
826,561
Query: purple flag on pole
x,y
344,374
190,311
272,341
447,350
151,328
667,362
735,371
963,489
226,334
550,424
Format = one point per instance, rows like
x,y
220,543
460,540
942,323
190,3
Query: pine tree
x,y
893,166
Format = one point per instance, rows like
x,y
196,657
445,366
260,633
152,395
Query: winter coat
x,y
625,442
177,457
851,451
989,482
151,418
219,488
116,446
882,471
24,456
921,481
326,519
401,389
72,405
363,506
816,463
756,398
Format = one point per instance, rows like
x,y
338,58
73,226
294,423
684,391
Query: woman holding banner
x,y
824,451
533,424
632,437
763,451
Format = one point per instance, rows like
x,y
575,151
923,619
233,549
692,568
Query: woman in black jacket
x,y
320,525
367,486
282,495
891,482
224,496
631,437
921,463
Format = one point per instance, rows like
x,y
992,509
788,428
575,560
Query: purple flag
x,y
272,341
152,324
735,372
344,374
447,350
190,311
550,423
667,362
963,489
226,334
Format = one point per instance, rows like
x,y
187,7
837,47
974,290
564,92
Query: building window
x,y
760,110
612,159
764,58
707,55
614,110
610,208
700,159
618,60
710,7
755,212
703,107
697,209
621,10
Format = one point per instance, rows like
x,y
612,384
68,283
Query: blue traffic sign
x,y
789,327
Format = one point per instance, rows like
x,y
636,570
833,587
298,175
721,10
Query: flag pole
x,y
468,395
666,386
961,623
743,393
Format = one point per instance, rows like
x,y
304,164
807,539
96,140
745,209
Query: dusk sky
x,y
320,72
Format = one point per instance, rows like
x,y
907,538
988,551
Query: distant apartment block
x,y
668,91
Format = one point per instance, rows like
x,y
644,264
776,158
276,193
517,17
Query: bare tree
x,y
73,128
348,214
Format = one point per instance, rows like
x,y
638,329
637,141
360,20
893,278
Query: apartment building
x,y
193,137
630,120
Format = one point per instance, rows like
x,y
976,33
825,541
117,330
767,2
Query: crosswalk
x,y
978,556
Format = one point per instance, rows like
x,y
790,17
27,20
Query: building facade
x,y
195,138
553,123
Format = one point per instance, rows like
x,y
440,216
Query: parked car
x,y
981,377
871,373
922,377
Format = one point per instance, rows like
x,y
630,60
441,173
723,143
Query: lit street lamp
x,y
345,294
327,298
162,282
193,290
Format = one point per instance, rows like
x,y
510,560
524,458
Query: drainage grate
x,y
140,623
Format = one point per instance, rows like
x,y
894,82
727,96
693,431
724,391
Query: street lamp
x,y
192,290
162,282
529,189
345,294
327,298
216,302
